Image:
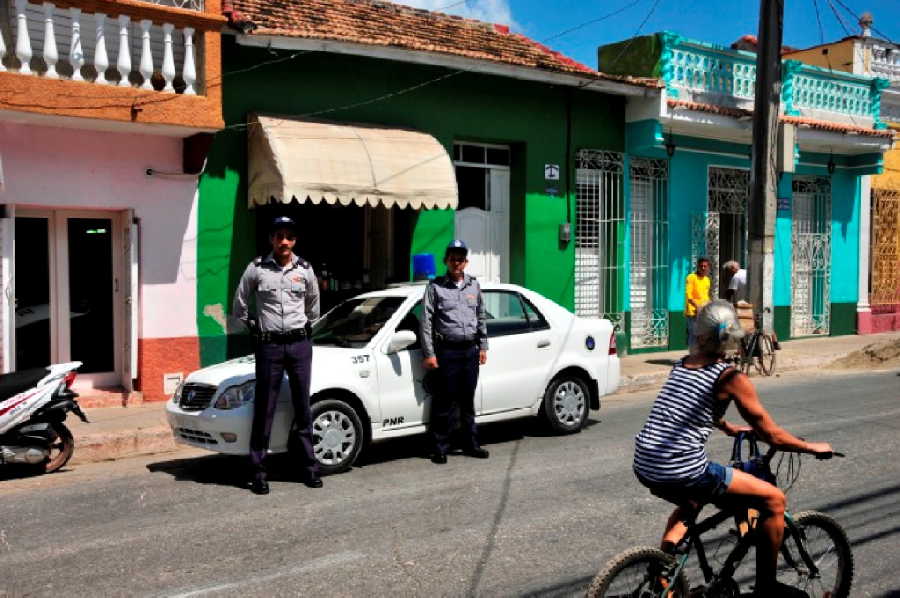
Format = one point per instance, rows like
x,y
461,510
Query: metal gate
x,y
810,272
725,234
599,235
649,272
885,260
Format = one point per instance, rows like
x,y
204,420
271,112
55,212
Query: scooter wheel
x,y
61,450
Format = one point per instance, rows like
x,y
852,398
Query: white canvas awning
x,y
301,160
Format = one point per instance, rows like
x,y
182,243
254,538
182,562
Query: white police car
x,y
367,378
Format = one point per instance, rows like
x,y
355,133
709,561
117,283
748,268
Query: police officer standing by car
x,y
287,301
454,341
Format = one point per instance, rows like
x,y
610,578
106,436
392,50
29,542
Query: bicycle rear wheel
x,y
828,548
639,573
764,360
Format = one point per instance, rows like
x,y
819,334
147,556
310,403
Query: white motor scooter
x,y
34,404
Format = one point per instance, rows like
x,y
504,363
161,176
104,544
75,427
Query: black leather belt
x,y
290,336
447,344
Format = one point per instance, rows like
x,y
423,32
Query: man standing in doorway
x,y
737,286
454,342
696,295
286,293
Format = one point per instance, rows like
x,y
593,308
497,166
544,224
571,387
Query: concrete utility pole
x,y
763,177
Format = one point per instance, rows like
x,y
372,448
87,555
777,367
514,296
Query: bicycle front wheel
x,y
642,572
826,543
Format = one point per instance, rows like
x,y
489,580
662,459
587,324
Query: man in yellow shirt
x,y
696,295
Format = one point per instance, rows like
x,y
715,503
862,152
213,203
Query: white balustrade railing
x,y
709,71
45,40
885,63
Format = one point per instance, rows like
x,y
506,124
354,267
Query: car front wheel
x,y
337,435
566,404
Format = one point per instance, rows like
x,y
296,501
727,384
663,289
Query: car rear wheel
x,y
566,403
337,435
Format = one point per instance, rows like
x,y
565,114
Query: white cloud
x,y
492,11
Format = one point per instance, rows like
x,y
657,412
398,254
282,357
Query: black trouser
x,y
272,361
453,385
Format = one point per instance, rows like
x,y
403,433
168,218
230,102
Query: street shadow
x,y
418,446
23,472
225,470
661,361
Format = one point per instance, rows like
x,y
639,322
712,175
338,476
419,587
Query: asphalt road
x,y
540,517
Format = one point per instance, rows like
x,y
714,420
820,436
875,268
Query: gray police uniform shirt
x,y
452,313
286,298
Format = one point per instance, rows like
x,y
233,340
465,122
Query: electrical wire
x,y
857,17
591,22
840,19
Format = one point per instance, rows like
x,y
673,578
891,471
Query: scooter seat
x,y
13,383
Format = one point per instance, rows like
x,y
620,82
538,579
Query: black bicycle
x,y
815,555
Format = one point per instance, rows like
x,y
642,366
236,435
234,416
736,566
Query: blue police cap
x,y
458,245
283,222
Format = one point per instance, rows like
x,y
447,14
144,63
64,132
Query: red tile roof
x,y
378,23
823,125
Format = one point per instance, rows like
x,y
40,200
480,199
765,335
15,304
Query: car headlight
x,y
236,396
176,398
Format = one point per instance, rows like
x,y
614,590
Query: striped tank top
x,y
671,447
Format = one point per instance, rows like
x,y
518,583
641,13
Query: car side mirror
x,y
401,340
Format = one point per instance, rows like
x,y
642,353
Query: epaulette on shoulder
x,y
303,263
258,260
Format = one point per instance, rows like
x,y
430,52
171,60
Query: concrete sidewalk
x,y
118,432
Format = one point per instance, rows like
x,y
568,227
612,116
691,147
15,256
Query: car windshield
x,y
353,323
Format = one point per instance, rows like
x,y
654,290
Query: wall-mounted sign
x,y
551,172
784,203
551,191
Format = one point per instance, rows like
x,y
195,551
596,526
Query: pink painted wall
x,y
53,167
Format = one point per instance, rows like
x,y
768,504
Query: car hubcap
x,y
568,403
333,437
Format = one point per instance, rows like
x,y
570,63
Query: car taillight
x,y
70,378
612,343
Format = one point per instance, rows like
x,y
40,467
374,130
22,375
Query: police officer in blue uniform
x,y
454,342
286,293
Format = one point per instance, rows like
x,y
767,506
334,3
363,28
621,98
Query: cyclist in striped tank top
x,y
670,456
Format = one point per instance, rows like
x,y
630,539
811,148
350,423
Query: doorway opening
x,y
66,282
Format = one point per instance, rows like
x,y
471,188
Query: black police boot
x,y
259,485
478,453
312,480
439,458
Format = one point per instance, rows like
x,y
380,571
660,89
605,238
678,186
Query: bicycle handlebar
x,y
819,456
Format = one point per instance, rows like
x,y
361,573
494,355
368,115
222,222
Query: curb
x,y
91,448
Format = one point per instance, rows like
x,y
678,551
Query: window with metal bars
x,y
599,235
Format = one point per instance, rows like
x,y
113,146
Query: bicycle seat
x,y
13,383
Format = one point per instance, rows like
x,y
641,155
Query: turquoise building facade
x,y
685,185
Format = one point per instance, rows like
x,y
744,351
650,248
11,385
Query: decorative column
x,y
76,54
23,41
51,55
168,63
146,55
789,69
668,41
878,85
101,60
863,310
189,69
123,64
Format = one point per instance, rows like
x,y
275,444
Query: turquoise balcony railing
x,y
724,76
706,68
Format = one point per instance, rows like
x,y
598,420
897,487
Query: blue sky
x,y
718,21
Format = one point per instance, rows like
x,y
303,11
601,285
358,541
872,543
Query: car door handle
x,y
543,343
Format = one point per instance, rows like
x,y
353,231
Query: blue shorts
x,y
707,487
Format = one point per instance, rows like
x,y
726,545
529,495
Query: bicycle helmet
x,y
716,328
